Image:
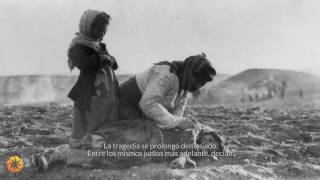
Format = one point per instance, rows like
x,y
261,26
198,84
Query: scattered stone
x,y
256,139
49,140
34,131
312,150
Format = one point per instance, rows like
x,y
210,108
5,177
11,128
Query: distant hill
x,y
199,97
27,89
38,88
257,83
223,89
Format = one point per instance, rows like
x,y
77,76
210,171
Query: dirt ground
x,y
269,140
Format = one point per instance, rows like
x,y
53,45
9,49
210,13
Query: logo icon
x,y
15,164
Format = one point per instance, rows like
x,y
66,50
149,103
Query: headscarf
x,y
186,69
83,36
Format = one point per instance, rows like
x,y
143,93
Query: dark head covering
x,y
87,19
197,66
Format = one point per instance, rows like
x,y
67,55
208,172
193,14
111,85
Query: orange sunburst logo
x,y
15,164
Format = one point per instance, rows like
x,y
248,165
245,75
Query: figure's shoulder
x,y
163,71
157,75
163,75
80,49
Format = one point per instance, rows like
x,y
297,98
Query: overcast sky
x,y
235,34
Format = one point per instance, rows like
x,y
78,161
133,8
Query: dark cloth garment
x,y
130,96
104,109
79,123
96,92
186,69
92,111
88,61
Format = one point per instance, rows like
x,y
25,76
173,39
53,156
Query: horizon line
x,y
121,74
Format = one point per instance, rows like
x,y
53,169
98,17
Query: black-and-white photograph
x,y
160,89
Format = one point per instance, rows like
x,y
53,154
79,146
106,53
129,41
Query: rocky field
x,y
270,140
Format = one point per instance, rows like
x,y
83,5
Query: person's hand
x,y
110,60
114,63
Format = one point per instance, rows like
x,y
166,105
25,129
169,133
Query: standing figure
x,y
96,91
283,89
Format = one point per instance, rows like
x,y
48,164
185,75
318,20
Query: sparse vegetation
x,y
274,139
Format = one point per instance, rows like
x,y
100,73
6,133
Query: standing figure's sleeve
x,y
84,59
161,89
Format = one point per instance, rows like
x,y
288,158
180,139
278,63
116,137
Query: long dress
x,y
92,109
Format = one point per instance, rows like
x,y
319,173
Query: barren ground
x,y
270,140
